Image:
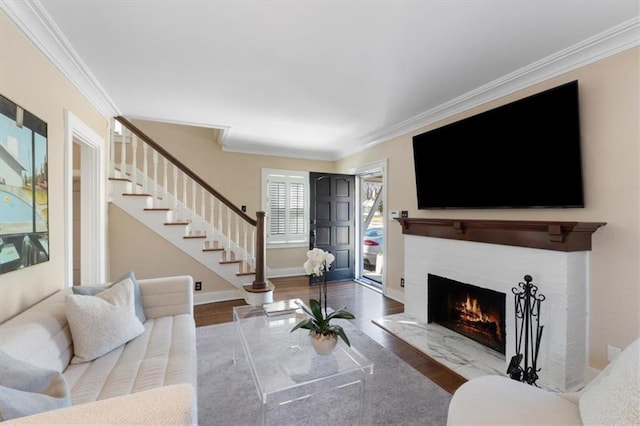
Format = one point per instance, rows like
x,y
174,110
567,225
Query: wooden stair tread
x,y
213,249
242,274
120,179
136,195
176,223
191,237
157,209
224,262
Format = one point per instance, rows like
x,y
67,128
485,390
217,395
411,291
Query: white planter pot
x,y
323,345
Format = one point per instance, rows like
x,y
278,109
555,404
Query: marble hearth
x,y
498,261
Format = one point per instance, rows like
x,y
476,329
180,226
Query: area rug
x,y
227,395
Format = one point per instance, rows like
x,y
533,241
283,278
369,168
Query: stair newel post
x,y
145,168
155,176
253,248
260,251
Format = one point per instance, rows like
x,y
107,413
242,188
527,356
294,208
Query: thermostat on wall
x,y
394,214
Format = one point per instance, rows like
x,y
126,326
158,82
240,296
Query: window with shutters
x,y
286,202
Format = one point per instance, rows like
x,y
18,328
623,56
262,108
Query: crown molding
x,y
610,42
31,17
256,149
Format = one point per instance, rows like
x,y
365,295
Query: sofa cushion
x,y
164,354
92,291
27,389
615,398
40,335
103,322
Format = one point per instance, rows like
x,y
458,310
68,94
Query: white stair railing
x,y
230,229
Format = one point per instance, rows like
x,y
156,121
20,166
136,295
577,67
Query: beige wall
x,y
609,92
236,176
31,81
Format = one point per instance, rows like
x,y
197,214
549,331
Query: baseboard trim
x,y
217,296
396,295
286,272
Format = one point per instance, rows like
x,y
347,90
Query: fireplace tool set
x,y
528,332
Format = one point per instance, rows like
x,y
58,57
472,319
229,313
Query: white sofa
x,y
612,398
152,379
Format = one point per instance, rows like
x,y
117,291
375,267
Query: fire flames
x,y
470,312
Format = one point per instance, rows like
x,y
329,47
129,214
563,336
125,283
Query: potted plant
x,y
323,334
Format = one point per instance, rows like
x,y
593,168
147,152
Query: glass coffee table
x,y
296,385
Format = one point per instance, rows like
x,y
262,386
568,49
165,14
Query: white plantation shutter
x,y
277,208
296,208
285,199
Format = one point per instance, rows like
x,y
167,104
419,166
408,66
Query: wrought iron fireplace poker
x,y
527,311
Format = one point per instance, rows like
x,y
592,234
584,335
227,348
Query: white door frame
x,y
375,167
92,201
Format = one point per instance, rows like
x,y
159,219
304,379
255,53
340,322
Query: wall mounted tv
x,y
524,154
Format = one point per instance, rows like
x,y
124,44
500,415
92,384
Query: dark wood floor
x,y
366,304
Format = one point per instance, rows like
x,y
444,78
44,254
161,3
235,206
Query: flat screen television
x,y
524,154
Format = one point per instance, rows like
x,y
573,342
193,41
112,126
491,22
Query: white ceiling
x,y
315,78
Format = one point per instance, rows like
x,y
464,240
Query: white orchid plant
x,y
317,264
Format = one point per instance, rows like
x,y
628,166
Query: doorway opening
x,y
372,224
88,148
77,212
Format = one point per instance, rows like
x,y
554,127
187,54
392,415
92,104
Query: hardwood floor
x,y
366,304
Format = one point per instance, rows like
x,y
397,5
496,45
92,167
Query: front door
x,y
332,199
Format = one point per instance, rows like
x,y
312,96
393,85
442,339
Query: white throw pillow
x,y
102,322
615,398
93,290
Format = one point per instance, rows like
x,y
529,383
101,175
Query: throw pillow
x,y
92,291
615,399
102,322
27,390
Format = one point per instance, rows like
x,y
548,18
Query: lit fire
x,y
471,312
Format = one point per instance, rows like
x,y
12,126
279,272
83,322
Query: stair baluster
x,y
184,196
175,192
155,176
165,184
194,221
145,168
123,158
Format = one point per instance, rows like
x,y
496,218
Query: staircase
x,y
152,186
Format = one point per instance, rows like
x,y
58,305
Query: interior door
x,y
332,219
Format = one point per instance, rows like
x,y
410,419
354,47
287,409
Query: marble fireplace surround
x,y
496,255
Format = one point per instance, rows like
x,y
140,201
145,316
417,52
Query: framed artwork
x,y
24,193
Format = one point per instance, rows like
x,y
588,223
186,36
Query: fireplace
x,y
475,312
495,255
